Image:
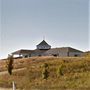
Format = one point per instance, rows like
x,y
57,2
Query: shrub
x,y
45,72
45,65
60,70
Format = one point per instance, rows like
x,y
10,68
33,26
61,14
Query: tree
x,y
10,64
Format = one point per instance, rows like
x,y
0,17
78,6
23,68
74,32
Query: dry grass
x,y
76,74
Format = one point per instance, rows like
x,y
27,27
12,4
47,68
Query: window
x,y
39,55
75,55
55,55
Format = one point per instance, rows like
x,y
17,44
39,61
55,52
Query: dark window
x,y
26,56
75,55
39,55
55,55
29,55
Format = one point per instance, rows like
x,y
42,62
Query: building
x,y
44,49
43,46
63,52
22,53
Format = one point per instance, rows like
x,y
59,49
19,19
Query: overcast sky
x,y
24,23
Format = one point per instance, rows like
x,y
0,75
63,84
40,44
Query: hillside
x,y
63,73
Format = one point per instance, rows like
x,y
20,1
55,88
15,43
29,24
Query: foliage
x,y
45,65
10,64
45,72
60,70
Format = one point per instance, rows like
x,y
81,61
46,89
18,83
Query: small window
x,y
29,55
26,56
76,55
39,55
55,55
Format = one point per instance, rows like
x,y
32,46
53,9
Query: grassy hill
x,y
63,73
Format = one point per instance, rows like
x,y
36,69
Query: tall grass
x,y
64,73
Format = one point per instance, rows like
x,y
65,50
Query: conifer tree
x,y
10,64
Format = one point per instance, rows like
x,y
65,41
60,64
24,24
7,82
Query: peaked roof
x,y
43,43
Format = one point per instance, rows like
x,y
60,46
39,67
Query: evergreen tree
x,y
10,64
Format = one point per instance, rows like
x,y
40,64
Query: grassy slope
x,y
76,74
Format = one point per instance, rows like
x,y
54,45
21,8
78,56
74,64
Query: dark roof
x,y
37,51
43,43
47,52
22,51
63,49
73,50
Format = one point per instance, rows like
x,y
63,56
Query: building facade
x,y
44,49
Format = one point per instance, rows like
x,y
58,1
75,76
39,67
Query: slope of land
x,y
74,74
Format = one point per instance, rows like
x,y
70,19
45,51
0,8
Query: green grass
x,y
76,74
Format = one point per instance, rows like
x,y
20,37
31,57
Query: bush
x,y
60,71
45,72
45,65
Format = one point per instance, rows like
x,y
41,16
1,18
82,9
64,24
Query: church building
x,y
44,49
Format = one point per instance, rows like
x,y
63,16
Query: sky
x,y
24,23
